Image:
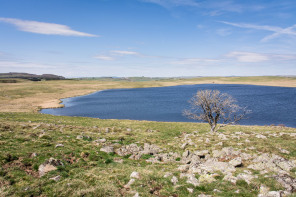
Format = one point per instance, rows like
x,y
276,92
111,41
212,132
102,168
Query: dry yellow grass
x,y
28,96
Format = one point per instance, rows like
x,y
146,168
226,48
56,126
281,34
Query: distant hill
x,y
31,77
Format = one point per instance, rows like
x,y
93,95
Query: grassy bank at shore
x,y
28,96
29,139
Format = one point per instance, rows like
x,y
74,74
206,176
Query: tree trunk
x,y
213,127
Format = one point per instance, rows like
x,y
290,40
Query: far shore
x,y
28,96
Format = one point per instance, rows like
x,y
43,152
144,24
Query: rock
x,y
192,180
135,175
236,162
202,153
79,137
207,140
190,190
183,168
137,195
128,129
272,194
246,177
288,182
204,195
216,190
219,144
206,178
183,146
128,150
222,136
107,149
128,185
211,166
49,165
261,136
229,177
34,155
59,145
168,174
101,140
136,156
174,180
118,160
151,149
263,190
284,151
56,178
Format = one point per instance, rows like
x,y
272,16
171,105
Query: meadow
x,y
91,151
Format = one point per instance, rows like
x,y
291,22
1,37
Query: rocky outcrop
x,y
49,165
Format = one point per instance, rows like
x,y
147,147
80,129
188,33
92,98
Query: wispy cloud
x,y
247,56
104,57
44,28
113,55
278,31
173,3
125,53
188,61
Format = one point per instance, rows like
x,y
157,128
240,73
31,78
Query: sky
x,y
152,38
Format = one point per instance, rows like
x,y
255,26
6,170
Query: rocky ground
x,y
64,158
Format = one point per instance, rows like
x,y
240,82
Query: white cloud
x,y
104,57
125,52
44,28
223,32
173,3
247,56
278,31
188,61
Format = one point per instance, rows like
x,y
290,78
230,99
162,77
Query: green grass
x,y
89,172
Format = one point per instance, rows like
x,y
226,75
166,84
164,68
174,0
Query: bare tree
x,y
214,107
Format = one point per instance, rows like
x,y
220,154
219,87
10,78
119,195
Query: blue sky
x,y
153,38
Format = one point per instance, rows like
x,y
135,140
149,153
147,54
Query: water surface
x,y
269,105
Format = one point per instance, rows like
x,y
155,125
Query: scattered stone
x,y
190,190
216,190
56,178
34,155
183,146
207,140
137,195
236,162
246,177
135,175
174,180
168,174
118,160
128,185
59,145
204,195
128,150
128,129
79,137
284,151
261,136
107,149
101,140
206,178
288,182
192,180
229,177
49,165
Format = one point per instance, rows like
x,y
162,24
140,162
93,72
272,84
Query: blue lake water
x,y
269,105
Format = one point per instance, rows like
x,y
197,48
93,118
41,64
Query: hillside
x,y
31,77
43,155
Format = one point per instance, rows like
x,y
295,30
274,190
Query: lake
x,y
269,105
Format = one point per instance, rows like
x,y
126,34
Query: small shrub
x,y
178,159
107,161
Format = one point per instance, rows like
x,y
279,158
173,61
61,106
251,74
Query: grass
x,y
89,172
